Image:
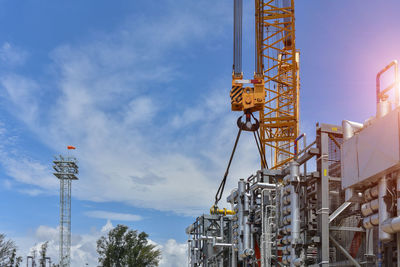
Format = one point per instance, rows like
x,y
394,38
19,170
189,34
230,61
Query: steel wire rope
x,y
221,187
263,161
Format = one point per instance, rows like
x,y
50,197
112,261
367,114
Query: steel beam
x,y
344,251
338,211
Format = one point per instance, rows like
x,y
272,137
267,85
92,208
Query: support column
x,y
323,200
383,210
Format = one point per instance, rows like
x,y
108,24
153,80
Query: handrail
x,y
379,93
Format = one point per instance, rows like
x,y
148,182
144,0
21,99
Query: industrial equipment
x,y
345,212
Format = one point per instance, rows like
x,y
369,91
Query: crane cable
x,y
242,126
257,138
221,187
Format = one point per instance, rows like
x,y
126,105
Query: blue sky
x,y
141,88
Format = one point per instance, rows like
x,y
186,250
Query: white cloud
x,y
101,214
29,171
112,103
44,233
83,249
23,93
174,254
11,55
107,227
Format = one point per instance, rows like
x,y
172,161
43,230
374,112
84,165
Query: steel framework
x,y
279,59
66,170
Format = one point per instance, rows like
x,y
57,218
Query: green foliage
x,y
123,247
8,253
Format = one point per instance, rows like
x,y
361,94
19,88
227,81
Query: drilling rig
x,y
345,212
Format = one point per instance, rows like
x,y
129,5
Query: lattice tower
x,y
66,170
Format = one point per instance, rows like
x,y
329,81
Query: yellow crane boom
x,y
274,90
279,120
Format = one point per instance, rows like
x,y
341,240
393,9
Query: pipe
x,y
233,252
237,32
383,108
392,225
398,191
263,186
344,251
189,229
241,191
262,243
280,209
395,84
247,249
221,227
286,200
231,198
295,209
398,248
285,260
371,221
215,244
304,148
383,213
349,128
371,193
296,141
298,262
215,211
370,207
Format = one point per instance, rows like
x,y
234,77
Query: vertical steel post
x,y
323,199
237,37
295,209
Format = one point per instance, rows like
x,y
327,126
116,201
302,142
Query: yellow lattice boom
x,y
276,49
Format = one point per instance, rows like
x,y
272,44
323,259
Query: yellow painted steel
x,y
215,211
251,98
279,60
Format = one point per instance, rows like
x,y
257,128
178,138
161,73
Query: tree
x,y
124,247
8,253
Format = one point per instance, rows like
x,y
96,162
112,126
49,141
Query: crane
x,y
274,89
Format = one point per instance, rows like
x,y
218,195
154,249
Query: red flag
x,y
71,147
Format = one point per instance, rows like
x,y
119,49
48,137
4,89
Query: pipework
x,y
383,211
350,128
392,225
224,211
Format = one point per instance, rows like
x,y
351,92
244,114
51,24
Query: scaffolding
x,y
66,170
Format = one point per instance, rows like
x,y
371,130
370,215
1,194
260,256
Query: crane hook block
x,y
250,98
248,125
